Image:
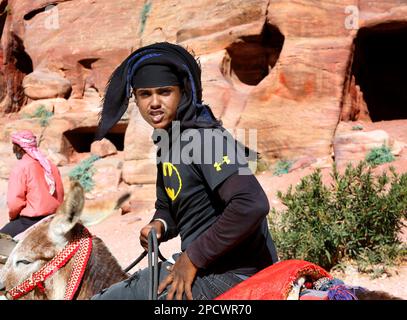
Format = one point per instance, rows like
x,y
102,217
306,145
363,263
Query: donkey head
x,y
42,242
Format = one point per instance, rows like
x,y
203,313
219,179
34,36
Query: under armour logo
x,y
218,165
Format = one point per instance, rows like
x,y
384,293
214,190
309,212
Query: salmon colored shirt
x,y
28,192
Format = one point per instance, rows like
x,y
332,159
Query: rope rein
x,y
152,265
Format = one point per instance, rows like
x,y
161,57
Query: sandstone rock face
x,y
138,144
283,105
283,69
139,150
85,40
354,106
139,171
44,84
58,159
352,146
107,175
286,107
182,22
7,160
53,140
22,124
302,163
103,148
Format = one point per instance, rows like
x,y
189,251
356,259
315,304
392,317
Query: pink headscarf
x,y
27,140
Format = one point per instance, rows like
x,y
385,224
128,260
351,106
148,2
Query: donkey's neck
x,y
102,271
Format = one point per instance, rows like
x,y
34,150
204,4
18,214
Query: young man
x,y
35,188
219,212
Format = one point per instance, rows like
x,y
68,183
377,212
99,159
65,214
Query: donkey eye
x,y
23,262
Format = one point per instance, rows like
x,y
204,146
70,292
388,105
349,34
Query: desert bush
x,y
144,14
357,127
83,172
282,167
42,114
358,217
379,155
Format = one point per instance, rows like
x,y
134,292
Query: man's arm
x,y
16,194
169,227
246,207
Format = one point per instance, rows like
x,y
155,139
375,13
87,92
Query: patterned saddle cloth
x,y
292,280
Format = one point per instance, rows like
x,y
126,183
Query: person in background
x,y
35,188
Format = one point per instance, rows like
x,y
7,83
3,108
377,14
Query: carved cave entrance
x,y
79,140
380,69
252,57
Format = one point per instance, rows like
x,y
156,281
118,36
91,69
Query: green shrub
x,y
83,172
42,114
380,155
357,217
282,167
144,14
357,127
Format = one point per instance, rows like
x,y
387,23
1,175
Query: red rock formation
x,y
85,40
284,68
354,106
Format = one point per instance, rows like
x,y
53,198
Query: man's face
x,y
18,151
158,106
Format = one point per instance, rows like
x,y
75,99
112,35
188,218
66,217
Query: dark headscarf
x,y
155,75
191,112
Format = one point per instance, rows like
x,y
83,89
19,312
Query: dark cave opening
x,y
253,56
79,140
380,69
17,64
23,61
4,11
87,63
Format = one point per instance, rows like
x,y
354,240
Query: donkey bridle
x,y
80,245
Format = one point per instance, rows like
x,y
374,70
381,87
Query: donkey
x,y
48,237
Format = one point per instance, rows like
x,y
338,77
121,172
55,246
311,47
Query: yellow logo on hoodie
x,y
170,171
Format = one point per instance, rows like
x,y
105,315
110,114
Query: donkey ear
x,y
98,210
69,212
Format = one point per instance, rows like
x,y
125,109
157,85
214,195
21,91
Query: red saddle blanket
x,y
275,282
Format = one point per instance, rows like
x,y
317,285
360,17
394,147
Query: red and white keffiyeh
x,y
27,140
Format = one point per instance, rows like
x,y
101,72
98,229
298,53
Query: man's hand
x,y
159,228
182,275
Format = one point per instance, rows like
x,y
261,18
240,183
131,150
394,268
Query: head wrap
x,y
27,140
153,76
191,112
